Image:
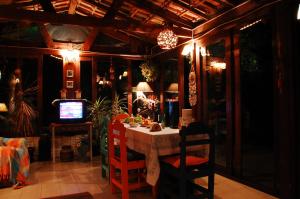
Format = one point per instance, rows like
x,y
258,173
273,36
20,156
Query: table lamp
x,y
3,107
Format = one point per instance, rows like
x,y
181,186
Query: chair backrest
x,y
120,117
191,136
117,140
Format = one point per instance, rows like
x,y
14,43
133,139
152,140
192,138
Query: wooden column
x,y
40,90
71,77
287,95
237,106
229,54
129,87
199,106
204,89
94,77
161,90
180,80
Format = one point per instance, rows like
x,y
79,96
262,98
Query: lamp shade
x,y
173,88
144,87
3,107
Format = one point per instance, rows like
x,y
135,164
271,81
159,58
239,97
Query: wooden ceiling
x,y
131,25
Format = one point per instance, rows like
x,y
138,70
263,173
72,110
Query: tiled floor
x,y
65,178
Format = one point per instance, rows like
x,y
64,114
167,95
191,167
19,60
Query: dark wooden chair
x,y
178,172
127,168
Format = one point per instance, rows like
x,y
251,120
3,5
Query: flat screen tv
x,y
71,110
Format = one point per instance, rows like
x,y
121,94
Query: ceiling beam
x,y
73,5
191,9
90,39
219,22
13,14
47,6
163,13
111,13
115,34
25,4
45,34
140,27
29,51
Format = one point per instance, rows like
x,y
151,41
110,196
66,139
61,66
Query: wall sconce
x,y
218,65
204,52
70,56
187,49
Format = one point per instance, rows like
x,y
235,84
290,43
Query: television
x,y
70,110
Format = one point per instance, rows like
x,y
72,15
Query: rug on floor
x,y
83,195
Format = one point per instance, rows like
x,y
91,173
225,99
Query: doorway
x,y
257,107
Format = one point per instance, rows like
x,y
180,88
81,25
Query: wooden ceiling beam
x,y
191,9
96,4
163,13
73,5
25,4
219,22
12,14
113,10
90,39
45,34
29,51
115,34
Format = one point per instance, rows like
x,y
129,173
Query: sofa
x,y
14,161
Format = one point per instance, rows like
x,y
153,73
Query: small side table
x,y
60,127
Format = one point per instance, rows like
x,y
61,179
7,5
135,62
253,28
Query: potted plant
x,y
99,113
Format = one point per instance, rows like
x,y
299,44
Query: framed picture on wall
x,y
69,84
70,73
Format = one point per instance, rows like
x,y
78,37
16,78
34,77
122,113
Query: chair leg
x,y
182,187
112,175
125,186
211,184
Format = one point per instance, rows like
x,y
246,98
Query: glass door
x,y
215,97
257,106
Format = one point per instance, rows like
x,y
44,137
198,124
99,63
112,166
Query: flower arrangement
x,y
147,105
148,71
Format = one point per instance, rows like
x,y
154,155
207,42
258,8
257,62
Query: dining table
x,y
153,145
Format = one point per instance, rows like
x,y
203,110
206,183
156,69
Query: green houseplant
x,y
100,113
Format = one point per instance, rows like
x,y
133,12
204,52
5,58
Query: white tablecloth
x,y
153,145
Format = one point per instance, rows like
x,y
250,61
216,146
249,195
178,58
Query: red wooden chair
x,y
120,117
127,168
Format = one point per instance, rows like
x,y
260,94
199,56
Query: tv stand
x,y
61,127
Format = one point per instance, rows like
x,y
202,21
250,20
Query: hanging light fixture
x,y
167,39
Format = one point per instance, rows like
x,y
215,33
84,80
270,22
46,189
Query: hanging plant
x,y
149,71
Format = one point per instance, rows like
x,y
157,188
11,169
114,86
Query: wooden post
x,y
129,87
40,90
180,80
94,76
